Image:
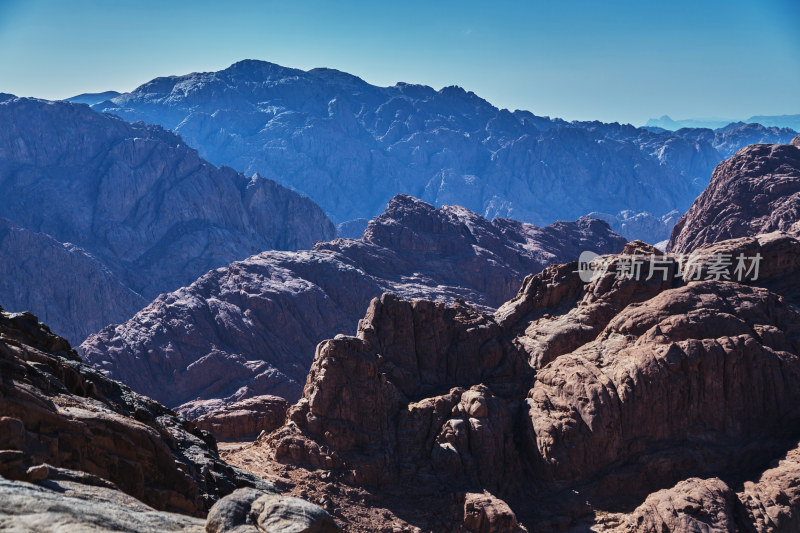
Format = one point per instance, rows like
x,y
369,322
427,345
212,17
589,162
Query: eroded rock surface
x,y
571,404
251,328
62,420
755,191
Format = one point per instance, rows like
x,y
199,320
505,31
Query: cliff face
x,y
351,146
138,200
755,191
250,328
568,406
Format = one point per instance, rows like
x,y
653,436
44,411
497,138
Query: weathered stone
x,y
755,191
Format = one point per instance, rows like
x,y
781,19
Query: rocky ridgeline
x,y
251,328
572,405
352,146
86,453
98,210
755,191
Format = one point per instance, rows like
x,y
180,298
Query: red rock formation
x,y
570,402
240,421
251,328
755,191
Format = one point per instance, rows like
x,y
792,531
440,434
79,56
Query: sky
x,y
609,60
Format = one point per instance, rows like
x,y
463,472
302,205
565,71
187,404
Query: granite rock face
x,y
755,191
251,328
136,200
573,403
57,506
351,146
64,420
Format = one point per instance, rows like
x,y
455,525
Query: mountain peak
x,y
257,67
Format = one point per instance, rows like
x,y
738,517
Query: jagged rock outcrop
x,y
63,421
755,191
251,328
351,146
570,404
135,199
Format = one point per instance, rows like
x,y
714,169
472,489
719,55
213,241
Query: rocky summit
x,y
251,328
351,146
755,191
630,403
130,208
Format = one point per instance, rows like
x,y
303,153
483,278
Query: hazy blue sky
x,y
577,59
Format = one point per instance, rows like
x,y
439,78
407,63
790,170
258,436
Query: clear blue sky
x,y
611,60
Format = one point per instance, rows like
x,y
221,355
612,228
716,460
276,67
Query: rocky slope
x,y
569,407
73,289
755,191
80,452
351,146
134,201
251,328
62,420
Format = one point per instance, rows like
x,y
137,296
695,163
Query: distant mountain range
x,y
99,216
93,98
351,146
779,121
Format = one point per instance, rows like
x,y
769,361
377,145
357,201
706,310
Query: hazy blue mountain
x,y
351,146
779,121
92,98
142,213
643,226
782,121
668,123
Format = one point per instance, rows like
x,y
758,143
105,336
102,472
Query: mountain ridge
x,y
249,329
351,146
138,200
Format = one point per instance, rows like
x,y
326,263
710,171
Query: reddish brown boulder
x,y
772,500
691,506
240,421
485,513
